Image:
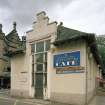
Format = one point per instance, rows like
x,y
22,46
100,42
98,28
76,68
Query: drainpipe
x,y
86,85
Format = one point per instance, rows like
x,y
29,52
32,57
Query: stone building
x,y
58,63
8,43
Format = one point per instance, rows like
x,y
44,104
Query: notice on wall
x,y
67,70
67,59
68,62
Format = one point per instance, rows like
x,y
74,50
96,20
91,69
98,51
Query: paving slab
x,y
98,100
6,99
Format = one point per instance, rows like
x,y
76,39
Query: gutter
x,y
86,85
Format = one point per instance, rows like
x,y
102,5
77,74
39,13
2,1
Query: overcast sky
x,y
83,15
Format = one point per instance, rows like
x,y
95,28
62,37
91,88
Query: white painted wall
x,y
73,84
19,76
92,69
42,30
67,83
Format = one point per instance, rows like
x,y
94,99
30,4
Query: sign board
x,y
67,59
66,70
69,62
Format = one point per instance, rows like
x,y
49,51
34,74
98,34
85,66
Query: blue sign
x,y
67,59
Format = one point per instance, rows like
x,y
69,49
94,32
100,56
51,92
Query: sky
x,y
84,15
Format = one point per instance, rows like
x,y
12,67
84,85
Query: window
x,y
39,60
40,46
39,67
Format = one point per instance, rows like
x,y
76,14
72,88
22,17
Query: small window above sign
x,y
67,59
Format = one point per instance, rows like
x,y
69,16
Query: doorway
x,y
39,68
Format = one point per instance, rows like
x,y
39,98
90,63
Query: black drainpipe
x,y
86,79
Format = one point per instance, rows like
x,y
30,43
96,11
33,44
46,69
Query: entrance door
x,y
39,85
39,75
39,67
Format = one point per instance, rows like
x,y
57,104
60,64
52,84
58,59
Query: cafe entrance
x,y
39,67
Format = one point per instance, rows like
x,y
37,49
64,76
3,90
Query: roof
x,y
66,35
5,74
19,50
13,37
15,45
2,35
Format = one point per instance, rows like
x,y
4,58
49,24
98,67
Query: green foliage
x,y
101,47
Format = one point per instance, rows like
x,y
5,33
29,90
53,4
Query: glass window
x,y
39,80
47,43
39,58
39,67
40,47
32,48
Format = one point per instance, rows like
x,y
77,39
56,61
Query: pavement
x,y
14,101
98,100
6,99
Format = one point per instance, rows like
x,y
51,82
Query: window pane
x,y
47,45
32,48
40,47
39,67
39,58
39,80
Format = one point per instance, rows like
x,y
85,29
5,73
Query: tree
x,y
101,48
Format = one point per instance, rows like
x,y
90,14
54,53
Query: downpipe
x,y
86,85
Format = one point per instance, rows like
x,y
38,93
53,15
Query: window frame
x,y
44,72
